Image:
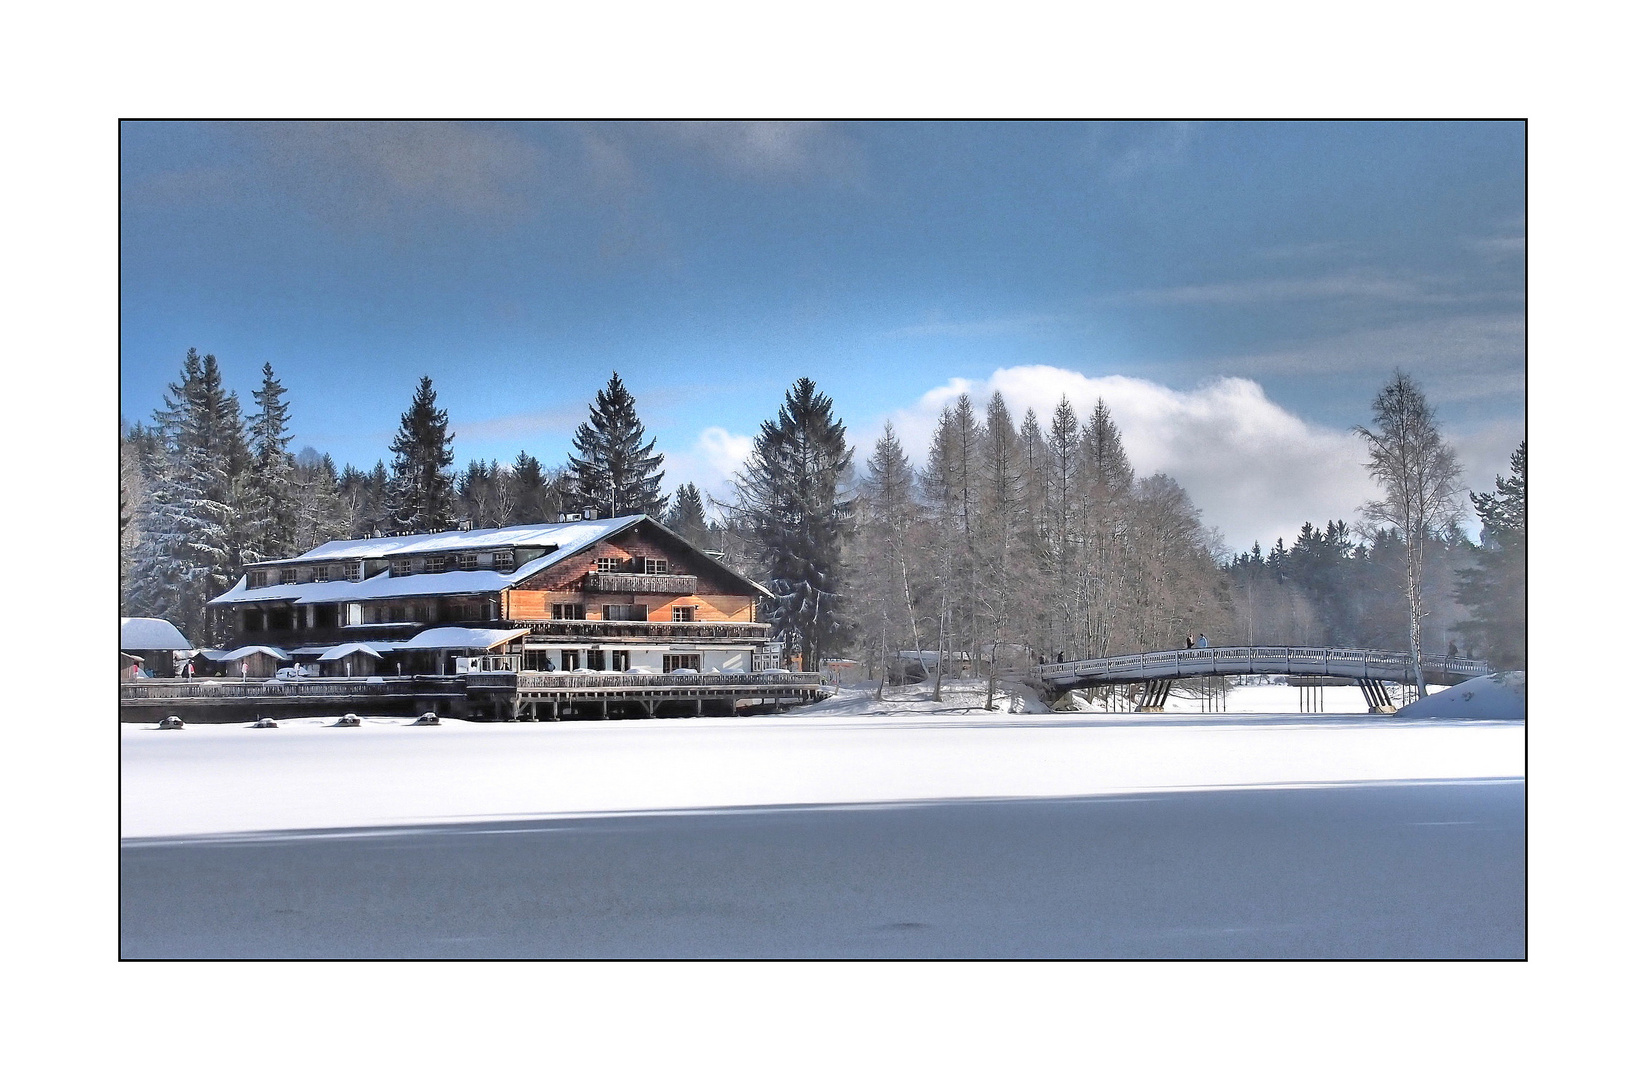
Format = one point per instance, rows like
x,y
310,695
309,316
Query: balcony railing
x,y
605,581
625,630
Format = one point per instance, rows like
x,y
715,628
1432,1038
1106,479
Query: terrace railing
x,y
230,689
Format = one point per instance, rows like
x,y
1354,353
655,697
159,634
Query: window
x,y
288,575
503,560
400,568
620,659
354,571
352,615
624,612
597,660
673,661
468,561
656,566
434,564
685,614
568,611
608,565
256,579
568,659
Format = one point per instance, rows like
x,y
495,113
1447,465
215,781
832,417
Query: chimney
x,y
588,514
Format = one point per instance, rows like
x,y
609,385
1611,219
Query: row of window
x,y
610,565
614,660
620,612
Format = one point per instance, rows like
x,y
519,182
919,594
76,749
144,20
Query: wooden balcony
x,y
598,581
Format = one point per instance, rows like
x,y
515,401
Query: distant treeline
x,y
1008,540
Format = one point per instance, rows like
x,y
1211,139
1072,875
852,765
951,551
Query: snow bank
x,y
307,774
1490,697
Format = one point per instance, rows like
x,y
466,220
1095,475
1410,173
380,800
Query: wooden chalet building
x,y
602,595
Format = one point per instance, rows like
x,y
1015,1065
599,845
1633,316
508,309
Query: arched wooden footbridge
x,y
1157,670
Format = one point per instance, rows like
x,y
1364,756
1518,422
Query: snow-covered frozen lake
x,y
826,833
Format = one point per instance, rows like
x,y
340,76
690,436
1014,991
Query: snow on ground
x,y
306,774
1490,697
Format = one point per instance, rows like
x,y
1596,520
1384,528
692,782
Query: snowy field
x,y
829,832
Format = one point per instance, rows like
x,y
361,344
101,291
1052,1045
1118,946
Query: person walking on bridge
x,y
1188,643
1204,644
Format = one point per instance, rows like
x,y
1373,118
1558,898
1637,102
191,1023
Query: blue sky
x,y
1238,292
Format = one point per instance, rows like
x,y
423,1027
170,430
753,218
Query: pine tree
x,y
531,498
1418,473
421,495
615,471
483,493
686,515
268,507
1495,590
789,499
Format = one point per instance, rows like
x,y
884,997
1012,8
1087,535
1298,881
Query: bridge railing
x,y
1257,659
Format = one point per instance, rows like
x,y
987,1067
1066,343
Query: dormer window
x,y
256,579
400,568
503,560
288,575
354,571
468,560
434,564
655,566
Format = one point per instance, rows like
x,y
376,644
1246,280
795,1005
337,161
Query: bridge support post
x,y
1155,692
1376,695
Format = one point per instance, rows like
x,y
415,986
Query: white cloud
x,y
1255,470
710,463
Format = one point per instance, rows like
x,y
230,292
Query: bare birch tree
x,y
1419,474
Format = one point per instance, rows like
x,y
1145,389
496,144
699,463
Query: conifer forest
x,y
1007,538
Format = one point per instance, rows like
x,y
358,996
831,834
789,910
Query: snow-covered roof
x,y
566,534
462,637
337,652
149,635
574,536
247,650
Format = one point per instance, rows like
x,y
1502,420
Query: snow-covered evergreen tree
x,y
268,508
790,500
187,553
614,468
421,497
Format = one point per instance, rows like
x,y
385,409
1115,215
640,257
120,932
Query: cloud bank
x,y
1255,470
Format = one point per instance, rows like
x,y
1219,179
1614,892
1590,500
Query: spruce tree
x,y
268,508
789,498
615,471
421,495
1495,590
686,515
531,498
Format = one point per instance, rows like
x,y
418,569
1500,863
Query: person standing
x,y
1204,644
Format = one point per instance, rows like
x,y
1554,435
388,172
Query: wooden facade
x,y
636,597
